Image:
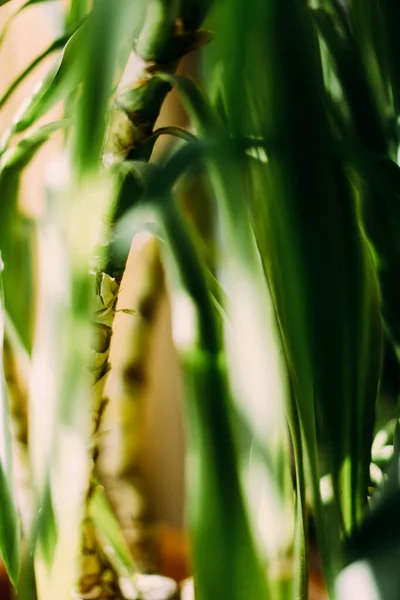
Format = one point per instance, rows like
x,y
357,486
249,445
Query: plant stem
x,y
163,42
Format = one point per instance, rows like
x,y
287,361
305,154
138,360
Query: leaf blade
x,y
9,521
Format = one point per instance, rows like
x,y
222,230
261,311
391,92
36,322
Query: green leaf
x,y
9,21
376,542
367,118
305,217
390,10
110,530
9,521
200,111
380,205
108,42
17,232
47,527
56,45
26,4
78,9
62,78
20,155
235,571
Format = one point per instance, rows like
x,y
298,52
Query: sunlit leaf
x,y
376,544
10,20
62,78
110,531
108,39
9,521
235,571
47,527
318,265
17,232
56,45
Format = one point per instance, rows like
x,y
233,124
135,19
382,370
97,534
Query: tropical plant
x,y
282,281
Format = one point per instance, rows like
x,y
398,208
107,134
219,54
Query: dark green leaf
x,y
376,542
355,65
318,265
390,11
195,102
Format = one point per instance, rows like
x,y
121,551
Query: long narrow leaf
x,y
316,260
107,42
16,233
380,207
10,20
56,45
62,77
235,571
110,531
9,522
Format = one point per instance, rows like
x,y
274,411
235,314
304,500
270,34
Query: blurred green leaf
x,y
112,27
16,232
62,77
20,155
56,45
367,24
317,263
78,9
110,531
26,4
47,527
380,204
9,521
368,119
200,111
390,15
235,571
27,582
10,20
376,543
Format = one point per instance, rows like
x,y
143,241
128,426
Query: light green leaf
x,y
17,232
56,45
16,13
9,521
47,527
110,530
61,79
108,42
235,571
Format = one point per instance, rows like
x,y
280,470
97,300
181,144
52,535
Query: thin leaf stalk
x,y
301,546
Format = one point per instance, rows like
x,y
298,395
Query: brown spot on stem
x,y
134,374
